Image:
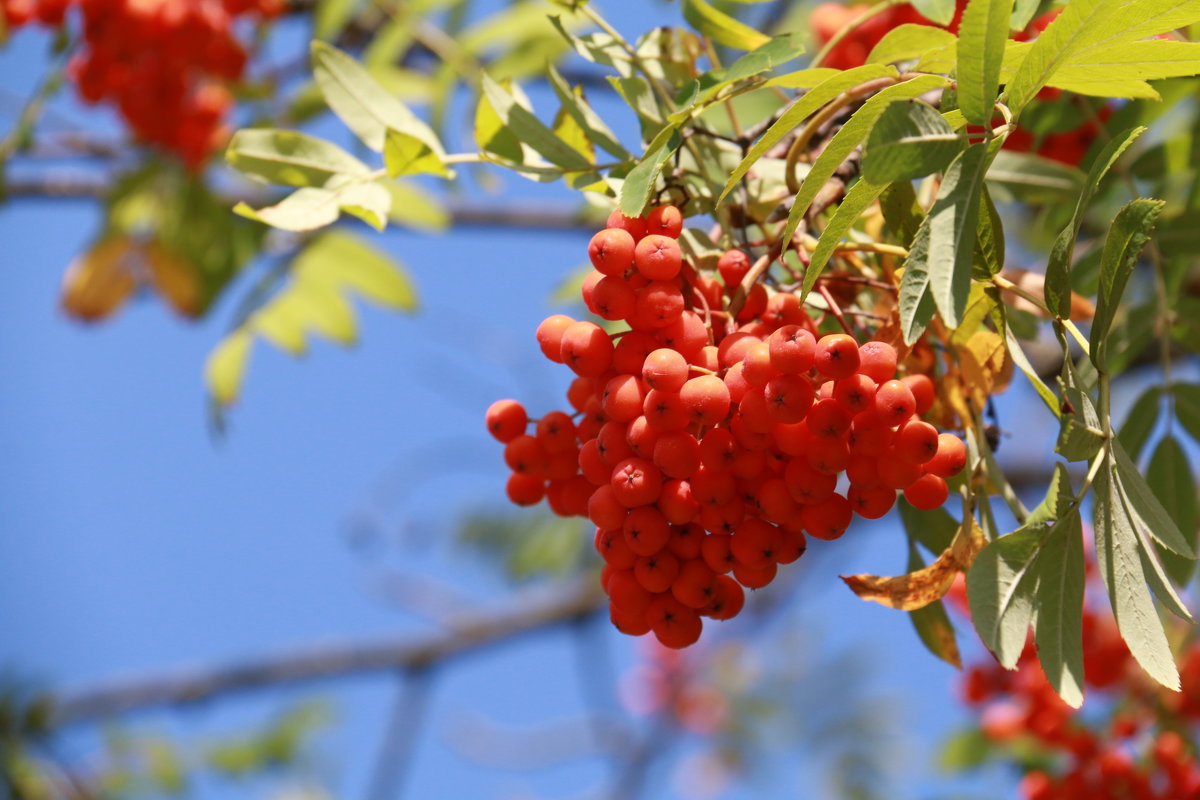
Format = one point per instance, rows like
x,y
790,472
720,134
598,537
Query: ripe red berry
x,y
836,356
525,490
549,335
950,459
612,251
665,369
916,441
646,530
674,624
705,399
877,361
665,221
586,349
506,420
793,349
927,492
728,599
636,482
894,402
658,257
634,226
733,266
789,397
923,391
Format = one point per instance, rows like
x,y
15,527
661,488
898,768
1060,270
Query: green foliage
x,y
314,301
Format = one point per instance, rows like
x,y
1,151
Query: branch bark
x,y
539,609
55,185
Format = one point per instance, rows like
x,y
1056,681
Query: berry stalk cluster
x,y
708,441
163,64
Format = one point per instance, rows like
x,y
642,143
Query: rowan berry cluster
x,y
708,439
164,64
1140,752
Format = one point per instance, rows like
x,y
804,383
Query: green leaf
x,y
599,48
1127,236
937,11
1037,565
639,183
934,530
1146,508
720,27
331,16
369,201
1187,407
1152,564
965,751
1022,13
908,42
1082,433
1031,177
982,36
989,239
1001,586
779,50
289,157
856,201
1118,554
1122,68
1141,421
931,622
952,228
404,154
1058,268
901,212
415,208
360,102
805,106
915,299
910,140
303,210
1061,38
530,130
314,301
575,105
1058,625
1170,476
340,262
226,366
849,137
1022,362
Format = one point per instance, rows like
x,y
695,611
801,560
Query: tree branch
x,y
74,184
538,609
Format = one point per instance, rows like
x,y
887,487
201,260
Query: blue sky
x,y
135,543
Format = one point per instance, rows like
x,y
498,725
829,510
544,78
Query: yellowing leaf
x,y
720,27
226,366
315,301
175,279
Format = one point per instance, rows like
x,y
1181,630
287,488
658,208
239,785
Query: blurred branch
x,y
400,740
64,184
531,611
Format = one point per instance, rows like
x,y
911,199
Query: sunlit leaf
x,y
720,27
290,158
982,36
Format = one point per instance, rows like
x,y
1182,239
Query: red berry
x,y
506,420
836,356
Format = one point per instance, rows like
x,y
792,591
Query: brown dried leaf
x,y
175,279
99,282
920,588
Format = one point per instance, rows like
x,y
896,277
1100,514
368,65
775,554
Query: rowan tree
x,y
835,235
